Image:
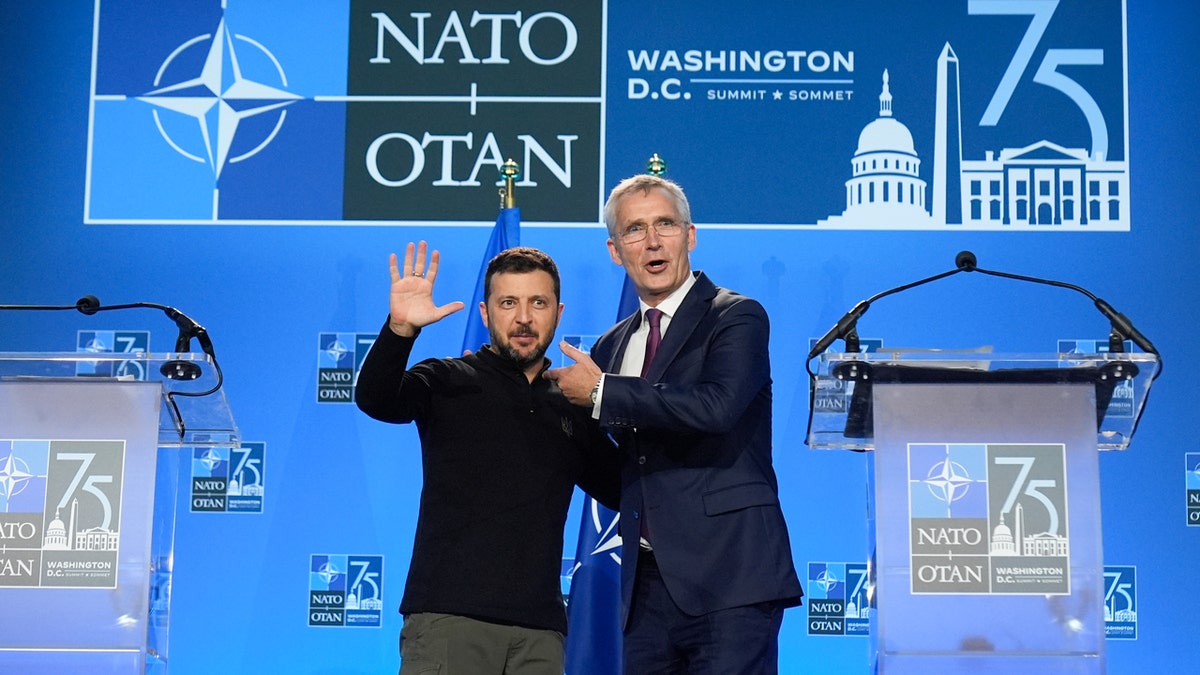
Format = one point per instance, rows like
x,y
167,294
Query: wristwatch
x,y
596,390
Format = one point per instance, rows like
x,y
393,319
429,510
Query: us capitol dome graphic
x,y
885,189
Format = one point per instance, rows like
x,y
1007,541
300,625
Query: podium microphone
x,y
188,328
1122,327
846,327
176,369
965,261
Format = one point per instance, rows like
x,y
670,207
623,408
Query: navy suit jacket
x,y
696,438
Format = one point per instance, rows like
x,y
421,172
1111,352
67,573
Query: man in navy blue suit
x,y
684,386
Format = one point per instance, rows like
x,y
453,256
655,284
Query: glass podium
x,y
984,500
91,450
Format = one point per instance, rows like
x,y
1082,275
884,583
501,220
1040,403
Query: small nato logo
x,y
339,357
345,590
135,343
229,480
837,599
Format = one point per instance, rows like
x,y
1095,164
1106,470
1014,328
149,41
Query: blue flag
x,y
594,610
506,234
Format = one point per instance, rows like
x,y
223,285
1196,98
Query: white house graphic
x,y
1039,186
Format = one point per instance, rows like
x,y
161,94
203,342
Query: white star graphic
x,y
14,475
329,572
336,351
610,537
210,459
827,580
199,96
948,481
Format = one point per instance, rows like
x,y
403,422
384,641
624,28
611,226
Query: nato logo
x,y
234,112
345,590
1120,602
210,479
23,471
1191,472
339,357
228,480
837,599
113,342
988,518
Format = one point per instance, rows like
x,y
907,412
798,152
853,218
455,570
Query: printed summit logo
x,y
837,599
988,518
345,590
339,357
228,480
60,512
113,342
220,111
1120,602
1029,185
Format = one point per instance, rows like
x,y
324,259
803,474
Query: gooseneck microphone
x,y
188,329
174,369
1121,327
846,327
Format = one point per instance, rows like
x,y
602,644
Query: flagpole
x,y
505,234
593,645
510,171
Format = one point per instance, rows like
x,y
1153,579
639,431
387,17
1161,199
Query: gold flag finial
x,y
510,171
657,166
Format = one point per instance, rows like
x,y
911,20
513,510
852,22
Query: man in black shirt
x,y
501,452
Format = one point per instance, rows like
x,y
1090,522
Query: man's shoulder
x,y
726,299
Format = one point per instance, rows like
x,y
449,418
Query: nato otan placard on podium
x,y
89,468
984,500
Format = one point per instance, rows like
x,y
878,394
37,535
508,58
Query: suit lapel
x,y
693,308
621,336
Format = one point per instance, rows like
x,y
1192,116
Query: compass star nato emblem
x,y
609,540
219,98
337,350
329,572
14,475
827,580
948,481
210,459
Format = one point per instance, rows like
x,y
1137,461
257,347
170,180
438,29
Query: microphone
x,y
965,261
1121,326
175,369
846,327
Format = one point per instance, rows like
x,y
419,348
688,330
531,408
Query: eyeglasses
x,y
638,231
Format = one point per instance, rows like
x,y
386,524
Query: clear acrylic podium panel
x,y
92,458
841,420
984,502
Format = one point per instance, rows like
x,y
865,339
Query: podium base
x,y
989,663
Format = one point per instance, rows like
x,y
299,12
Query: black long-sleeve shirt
x,y
500,459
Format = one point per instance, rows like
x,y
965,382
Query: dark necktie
x,y
653,317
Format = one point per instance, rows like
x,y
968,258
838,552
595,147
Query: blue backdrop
x,y
353,138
